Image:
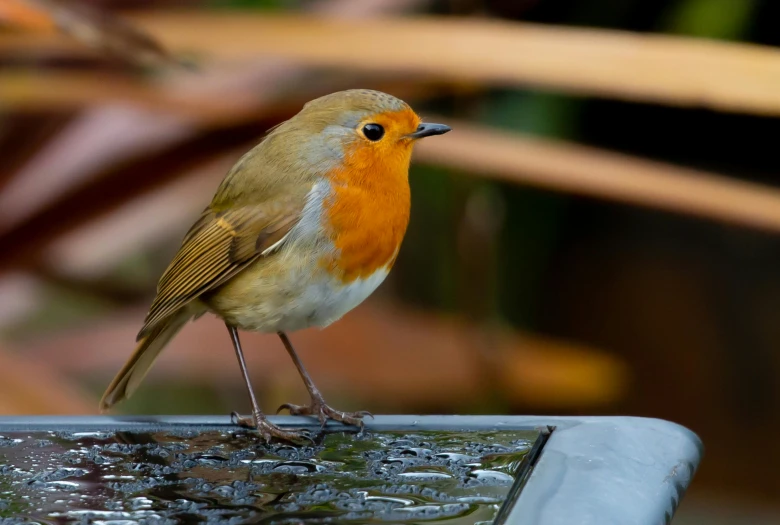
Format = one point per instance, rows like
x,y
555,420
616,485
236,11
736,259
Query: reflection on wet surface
x,y
232,477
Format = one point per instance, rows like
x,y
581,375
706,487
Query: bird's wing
x,y
218,246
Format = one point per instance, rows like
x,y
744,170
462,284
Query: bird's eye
x,y
373,132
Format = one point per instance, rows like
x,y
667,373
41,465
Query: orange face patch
x,y
368,212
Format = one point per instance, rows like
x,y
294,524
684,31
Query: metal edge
x,y
385,422
522,474
609,470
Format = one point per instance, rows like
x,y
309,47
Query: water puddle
x,y
232,477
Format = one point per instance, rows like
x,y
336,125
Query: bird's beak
x,y
428,130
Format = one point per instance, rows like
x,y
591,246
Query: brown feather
x,y
216,248
146,353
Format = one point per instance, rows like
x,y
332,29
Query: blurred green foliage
x,y
721,19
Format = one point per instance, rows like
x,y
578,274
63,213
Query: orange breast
x,y
368,212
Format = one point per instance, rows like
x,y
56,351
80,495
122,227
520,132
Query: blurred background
x,y
598,235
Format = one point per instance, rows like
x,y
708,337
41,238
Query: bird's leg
x,y
318,407
258,420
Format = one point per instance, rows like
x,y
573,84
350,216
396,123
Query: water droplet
x,y
417,452
478,499
140,503
491,475
297,467
401,501
457,458
96,434
423,476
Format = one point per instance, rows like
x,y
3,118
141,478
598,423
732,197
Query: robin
x,y
303,228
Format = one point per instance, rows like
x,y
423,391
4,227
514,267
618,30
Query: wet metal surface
x,y
231,477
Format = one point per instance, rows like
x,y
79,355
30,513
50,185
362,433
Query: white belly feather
x,y
290,291
322,303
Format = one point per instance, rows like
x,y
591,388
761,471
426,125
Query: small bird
x,y
303,228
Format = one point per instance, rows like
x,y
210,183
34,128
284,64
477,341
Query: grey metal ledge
x,y
590,471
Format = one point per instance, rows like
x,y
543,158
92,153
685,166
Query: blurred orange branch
x,y
672,70
656,68
58,90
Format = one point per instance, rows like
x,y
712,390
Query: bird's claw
x,y
268,430
323,413
243,421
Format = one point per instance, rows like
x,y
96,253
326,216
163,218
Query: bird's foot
x,y
323,412
268,430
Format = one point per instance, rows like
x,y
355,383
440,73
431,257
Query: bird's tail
x,y
127,380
